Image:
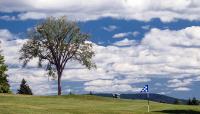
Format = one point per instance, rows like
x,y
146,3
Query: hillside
x,y
153,97
85,104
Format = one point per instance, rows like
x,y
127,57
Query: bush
x,y
24,88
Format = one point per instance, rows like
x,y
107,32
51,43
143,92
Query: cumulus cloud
x,y
5,34
113,85
180,85
145,10
161,53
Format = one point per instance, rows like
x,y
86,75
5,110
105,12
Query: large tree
x,y
58,41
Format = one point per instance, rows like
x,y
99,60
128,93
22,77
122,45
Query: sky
x,y
136,42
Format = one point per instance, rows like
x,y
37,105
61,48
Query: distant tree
x,y
195,101
189,102
70,93
58,41
90,93
4,85
177,101
24,88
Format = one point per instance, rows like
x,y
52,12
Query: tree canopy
x,y
58,41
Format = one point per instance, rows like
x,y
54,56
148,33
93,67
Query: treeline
x,y
192,101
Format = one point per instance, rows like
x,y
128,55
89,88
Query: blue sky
x,y
136,43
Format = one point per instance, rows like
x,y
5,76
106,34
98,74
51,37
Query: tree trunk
x,y
59,84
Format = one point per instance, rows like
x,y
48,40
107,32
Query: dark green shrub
x,y
24,88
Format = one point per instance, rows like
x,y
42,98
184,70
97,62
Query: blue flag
x,y
145,89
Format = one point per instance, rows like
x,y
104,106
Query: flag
x,y
145,89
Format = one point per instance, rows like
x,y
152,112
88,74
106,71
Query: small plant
x,y
24,88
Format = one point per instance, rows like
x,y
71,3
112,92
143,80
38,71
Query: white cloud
x,y
100,82
125,42
135,33
35,77
146,27
177,83
8,18
5,34
110,28
161,53
120,35
182,89
125,34
145,10
32,15
158,84
112,88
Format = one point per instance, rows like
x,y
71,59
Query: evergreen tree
x,y
70,93
195,101
4,86
189,102
90,93
24,88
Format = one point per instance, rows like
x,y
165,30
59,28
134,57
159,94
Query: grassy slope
x,y
83,104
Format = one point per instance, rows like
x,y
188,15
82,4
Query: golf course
x,y
99,56
85,104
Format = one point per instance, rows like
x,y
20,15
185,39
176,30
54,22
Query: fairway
x,y
85,104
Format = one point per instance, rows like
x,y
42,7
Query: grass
x,y
85,104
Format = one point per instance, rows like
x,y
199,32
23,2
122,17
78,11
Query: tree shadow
x,y
179,111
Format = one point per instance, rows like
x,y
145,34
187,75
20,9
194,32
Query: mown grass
x,y
85,104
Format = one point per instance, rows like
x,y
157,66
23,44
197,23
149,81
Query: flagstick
x,y
148,100
146,90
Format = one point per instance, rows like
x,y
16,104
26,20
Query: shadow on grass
x,y
179,111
